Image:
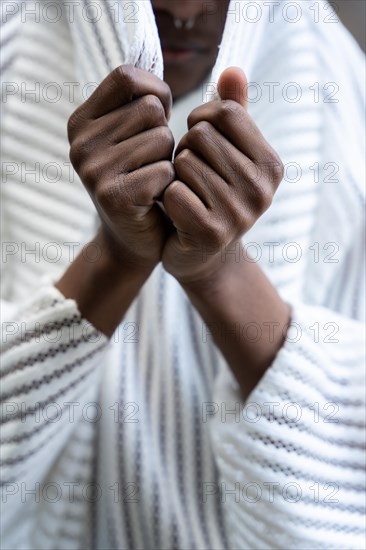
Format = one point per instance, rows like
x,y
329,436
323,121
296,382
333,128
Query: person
x,y
193,378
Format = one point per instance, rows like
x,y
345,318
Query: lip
x,y
181,52
179,55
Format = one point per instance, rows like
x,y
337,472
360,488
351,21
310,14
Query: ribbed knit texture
x,y
166,452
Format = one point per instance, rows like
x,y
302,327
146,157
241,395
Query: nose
x,y
182,9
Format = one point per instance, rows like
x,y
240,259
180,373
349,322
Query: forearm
x,y
245,315
103,289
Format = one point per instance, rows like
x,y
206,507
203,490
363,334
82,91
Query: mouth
x,y
181,54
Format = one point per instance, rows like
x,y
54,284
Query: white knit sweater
x,y
143,442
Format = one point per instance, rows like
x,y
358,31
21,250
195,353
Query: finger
x,y
125,84
219,154
233,122
233,85
144,149
147,148
120,87
140,188
140,115
148,184
200,178
184,208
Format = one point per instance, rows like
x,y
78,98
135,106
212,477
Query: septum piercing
x,y
187,25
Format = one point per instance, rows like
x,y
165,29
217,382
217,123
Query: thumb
x,y
233,84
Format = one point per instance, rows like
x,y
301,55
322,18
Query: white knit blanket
x,y
284,470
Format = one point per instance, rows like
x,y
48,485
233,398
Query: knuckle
x,y
153,109
166,97
182,158
82,145
193,117
263,198
74,157
277,170
165,139
213,233
74,123
191,120
273,168
80,150
200,131
259,188
89,174
167,171
125,75
228,109
108,196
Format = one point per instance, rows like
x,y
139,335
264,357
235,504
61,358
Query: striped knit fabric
x,y
144,442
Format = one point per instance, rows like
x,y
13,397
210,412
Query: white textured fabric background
x,y
165,463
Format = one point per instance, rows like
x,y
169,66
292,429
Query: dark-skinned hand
x,y
122,148
226,176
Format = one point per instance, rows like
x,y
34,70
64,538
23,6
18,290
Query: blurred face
x,y
190,32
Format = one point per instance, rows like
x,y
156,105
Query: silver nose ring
x,y
187,25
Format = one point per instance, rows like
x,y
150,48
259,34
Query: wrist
x,y
216,271
113,259
102,285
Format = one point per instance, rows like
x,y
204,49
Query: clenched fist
x,y
122,148
227,174
223,176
